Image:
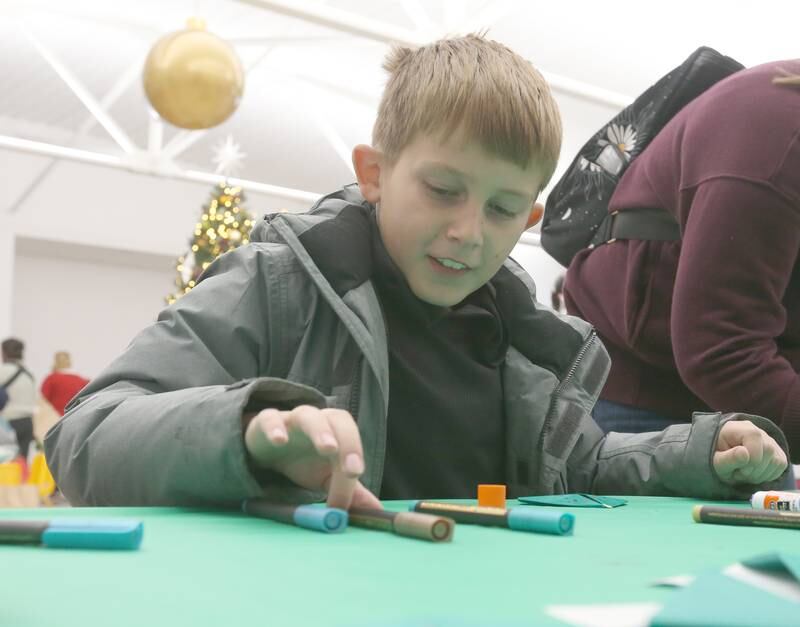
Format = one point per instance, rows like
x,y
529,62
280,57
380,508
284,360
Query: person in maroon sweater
x,y
711,321
62,384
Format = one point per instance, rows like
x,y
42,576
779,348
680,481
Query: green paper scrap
x,y
714,599
782,563
573,500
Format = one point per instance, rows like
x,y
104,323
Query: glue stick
x,y
782,501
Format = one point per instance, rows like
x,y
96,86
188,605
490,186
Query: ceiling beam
x,y
419,16
586,91
155,133
83,94
131,75
343,21
483,19
16,203
150,167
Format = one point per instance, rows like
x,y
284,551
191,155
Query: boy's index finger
x,y
348,466
341,488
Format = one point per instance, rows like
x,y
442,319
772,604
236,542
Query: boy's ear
x,y
536,214
367,163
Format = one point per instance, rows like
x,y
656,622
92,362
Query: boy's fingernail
x,y
277,434
353,464
328,441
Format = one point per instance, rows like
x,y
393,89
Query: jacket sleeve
x,y
674,462
162,425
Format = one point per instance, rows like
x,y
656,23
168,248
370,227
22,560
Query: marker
x,y
749,517
69,533
781,501
411,524
326,519
516,518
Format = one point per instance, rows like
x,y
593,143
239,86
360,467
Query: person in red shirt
x,y
62,384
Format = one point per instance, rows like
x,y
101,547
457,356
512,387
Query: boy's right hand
x,y
318,449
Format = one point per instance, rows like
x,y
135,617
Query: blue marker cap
x,y
545,521
93,534
329,519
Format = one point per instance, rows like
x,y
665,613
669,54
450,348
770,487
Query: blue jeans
x,y
625,419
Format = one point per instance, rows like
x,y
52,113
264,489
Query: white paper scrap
x,y
606,614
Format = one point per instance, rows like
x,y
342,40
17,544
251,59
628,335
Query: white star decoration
x,y
228,156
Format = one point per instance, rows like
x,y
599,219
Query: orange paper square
x,y
490,495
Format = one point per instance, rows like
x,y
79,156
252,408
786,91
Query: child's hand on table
x,y
318,449
746,454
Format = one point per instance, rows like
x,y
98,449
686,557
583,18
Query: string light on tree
x,y
224,224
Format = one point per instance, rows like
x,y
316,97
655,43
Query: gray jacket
x,y
264,328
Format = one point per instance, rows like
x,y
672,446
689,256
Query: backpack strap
x,y
20,370
645,223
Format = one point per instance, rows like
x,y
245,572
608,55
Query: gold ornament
x,y
192,78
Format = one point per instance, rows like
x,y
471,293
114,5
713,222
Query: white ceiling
x,y
313,90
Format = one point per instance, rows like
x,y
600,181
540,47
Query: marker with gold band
x,y
516,518
745,517
423,526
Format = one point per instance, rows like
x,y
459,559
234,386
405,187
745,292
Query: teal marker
x,y
516,518
325,519
74,533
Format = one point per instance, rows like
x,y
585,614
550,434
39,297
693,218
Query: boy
x,y
383,344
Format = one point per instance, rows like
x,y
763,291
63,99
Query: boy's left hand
x,y
746,454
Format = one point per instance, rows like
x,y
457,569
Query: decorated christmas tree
x,y
224,225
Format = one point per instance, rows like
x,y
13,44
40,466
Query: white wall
x,y
97,215
541,266
92,308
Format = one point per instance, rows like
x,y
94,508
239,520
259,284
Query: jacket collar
x,y
545,338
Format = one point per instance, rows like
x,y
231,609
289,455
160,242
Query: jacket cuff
x,y
700,478
790,421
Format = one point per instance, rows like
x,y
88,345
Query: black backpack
x,y
576,215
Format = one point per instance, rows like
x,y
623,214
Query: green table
x,y
221,568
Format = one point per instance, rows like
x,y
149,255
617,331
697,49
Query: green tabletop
x,y
221,568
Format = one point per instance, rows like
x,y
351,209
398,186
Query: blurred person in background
x,y
21,389
62,383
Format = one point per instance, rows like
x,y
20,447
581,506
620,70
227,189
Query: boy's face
x,y
449,213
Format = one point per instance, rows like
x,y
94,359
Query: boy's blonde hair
x,y
472,84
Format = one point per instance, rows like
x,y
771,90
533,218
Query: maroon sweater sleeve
x,y
740,246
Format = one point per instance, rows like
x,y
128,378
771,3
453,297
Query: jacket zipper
x,y
355,390
589,341
554,399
